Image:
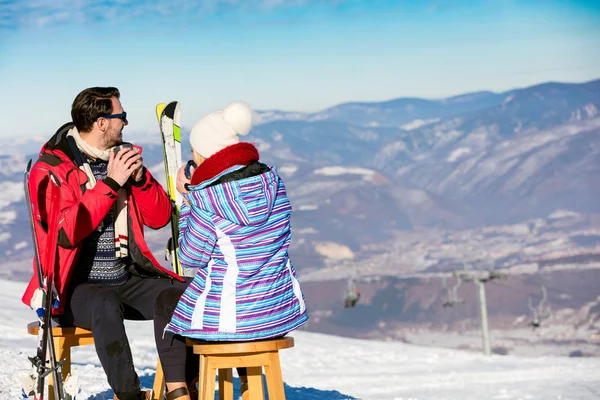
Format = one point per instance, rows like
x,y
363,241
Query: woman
x,y
234,227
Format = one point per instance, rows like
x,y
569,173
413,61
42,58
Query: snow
x,y
558,214
526,154
338,170
533,164
264,117
367,136
508,99
331,367
4,237
308,207
306,231
334,251
12,192
7,217
391,149
417,123
12,157
591,110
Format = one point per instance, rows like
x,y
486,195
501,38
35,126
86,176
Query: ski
x,y
44,300
168,116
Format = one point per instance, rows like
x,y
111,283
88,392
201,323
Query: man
x,y
106,271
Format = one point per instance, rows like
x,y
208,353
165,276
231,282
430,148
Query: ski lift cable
x,y
455,289
507,285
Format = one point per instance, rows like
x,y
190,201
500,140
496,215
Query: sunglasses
x,y
122,116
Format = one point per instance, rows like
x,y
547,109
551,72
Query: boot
x,y
181,393
193,389
244,386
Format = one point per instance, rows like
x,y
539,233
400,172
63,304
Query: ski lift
x,y
540,312
352,294
452,293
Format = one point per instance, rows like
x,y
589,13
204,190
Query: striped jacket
x,y
237,234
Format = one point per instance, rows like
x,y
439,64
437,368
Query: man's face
x,y
113,135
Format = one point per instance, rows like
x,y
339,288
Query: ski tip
x,y
177,112
29,165
170,109
159,109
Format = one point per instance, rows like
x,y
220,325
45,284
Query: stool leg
x,y
274,377
225,384
159,382
255,383
209,373
201,377
62,346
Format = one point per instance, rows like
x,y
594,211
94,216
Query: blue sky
x,y
301,55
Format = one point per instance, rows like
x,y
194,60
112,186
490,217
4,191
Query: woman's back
x,y
237,232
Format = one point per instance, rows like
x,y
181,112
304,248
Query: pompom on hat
x,y
221,129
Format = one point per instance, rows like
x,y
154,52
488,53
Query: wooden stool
x,y
67,337
224,356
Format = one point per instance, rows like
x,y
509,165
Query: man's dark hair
x,y
91,104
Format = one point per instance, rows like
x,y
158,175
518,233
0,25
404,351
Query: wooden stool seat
x,y
60,331
72,336
254,356
258,346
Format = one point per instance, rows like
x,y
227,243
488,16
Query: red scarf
x,y
242,153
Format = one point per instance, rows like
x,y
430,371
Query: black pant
x,y
103,309
172,349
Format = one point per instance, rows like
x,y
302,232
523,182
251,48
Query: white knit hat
x,y
220,129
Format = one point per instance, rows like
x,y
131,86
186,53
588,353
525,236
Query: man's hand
x,y
122,165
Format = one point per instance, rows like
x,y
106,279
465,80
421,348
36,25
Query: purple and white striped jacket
x,y
237,234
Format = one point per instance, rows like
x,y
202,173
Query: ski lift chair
x,y
352,294
67,337
351,298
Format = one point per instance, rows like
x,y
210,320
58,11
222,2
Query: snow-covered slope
x,y
332,368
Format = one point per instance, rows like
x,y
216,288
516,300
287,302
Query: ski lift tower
x,y
481,277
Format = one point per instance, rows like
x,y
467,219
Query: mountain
x,y
523,153
404,111
407,113
521,113
526,154
535,152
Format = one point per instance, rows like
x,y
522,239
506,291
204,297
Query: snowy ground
x,y
333,368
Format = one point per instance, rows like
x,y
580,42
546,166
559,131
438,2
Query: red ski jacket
x,y
81,211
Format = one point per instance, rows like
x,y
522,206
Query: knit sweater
x,y
98,262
